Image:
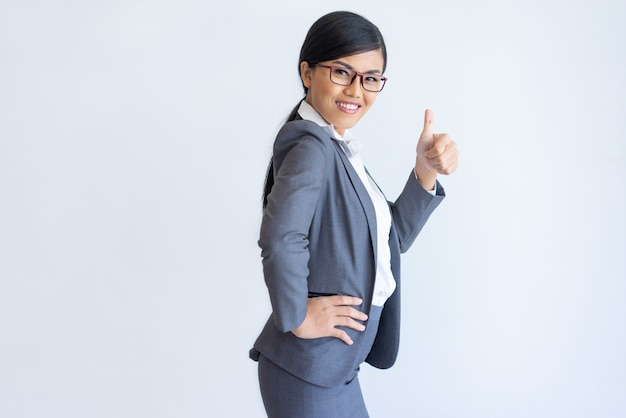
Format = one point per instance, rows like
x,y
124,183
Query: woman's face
x,y
341,106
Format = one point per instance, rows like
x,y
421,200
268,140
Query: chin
x,y
351,125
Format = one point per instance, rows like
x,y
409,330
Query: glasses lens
x,y
341,76
345,77
372,82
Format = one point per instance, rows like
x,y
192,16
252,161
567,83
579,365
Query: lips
x,y
348,107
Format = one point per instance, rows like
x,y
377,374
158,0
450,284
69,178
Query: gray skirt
x,y
287,396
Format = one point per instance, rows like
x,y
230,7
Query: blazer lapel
x,y
364,197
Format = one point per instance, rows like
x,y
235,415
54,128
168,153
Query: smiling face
x,y
341,106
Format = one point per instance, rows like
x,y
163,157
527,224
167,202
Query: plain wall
x,y
134,139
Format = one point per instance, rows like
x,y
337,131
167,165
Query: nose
x,y
355,89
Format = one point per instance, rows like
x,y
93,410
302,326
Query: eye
x,y
372,80
341,72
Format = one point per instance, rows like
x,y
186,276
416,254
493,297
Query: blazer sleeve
x,y
300,159
412,209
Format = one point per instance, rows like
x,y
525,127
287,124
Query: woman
x,y
330,240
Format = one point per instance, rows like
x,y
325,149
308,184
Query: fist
x,y
436,154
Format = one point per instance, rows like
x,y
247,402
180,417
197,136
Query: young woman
x,y
330,240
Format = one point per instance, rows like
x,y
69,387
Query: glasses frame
x,y
356,74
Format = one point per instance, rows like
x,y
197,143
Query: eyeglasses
x,y
345,77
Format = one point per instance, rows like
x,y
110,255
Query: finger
x,y
451,169
340,300
351,313
446,158
342,335
446,164
350,323
442,142
428,123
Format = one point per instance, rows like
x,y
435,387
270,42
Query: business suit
x,y
318,236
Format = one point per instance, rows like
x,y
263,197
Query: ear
x,y
305,74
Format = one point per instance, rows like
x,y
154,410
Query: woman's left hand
x,y
436,154
325,313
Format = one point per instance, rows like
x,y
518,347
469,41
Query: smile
x,y
348,107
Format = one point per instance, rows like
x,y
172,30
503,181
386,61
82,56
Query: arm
x,y
412,209
436,154
299,166
301,158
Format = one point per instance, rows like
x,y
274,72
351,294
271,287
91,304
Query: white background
x,y
134,138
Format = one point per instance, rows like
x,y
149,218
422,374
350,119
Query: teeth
x,y
348,106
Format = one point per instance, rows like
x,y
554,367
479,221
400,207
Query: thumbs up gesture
x,y
436,154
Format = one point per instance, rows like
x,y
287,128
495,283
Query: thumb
x,y
428,123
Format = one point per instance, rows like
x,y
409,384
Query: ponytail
x,y
269,176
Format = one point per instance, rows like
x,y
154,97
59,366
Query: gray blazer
x,y
318,237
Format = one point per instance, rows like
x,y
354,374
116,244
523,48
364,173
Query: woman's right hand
x,y
325,313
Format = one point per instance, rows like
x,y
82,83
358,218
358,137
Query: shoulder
x,y
298,132
303,146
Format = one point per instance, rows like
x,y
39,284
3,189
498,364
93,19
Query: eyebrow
x,y
349,67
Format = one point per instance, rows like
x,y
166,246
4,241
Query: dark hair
x,y
332,36
336,35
